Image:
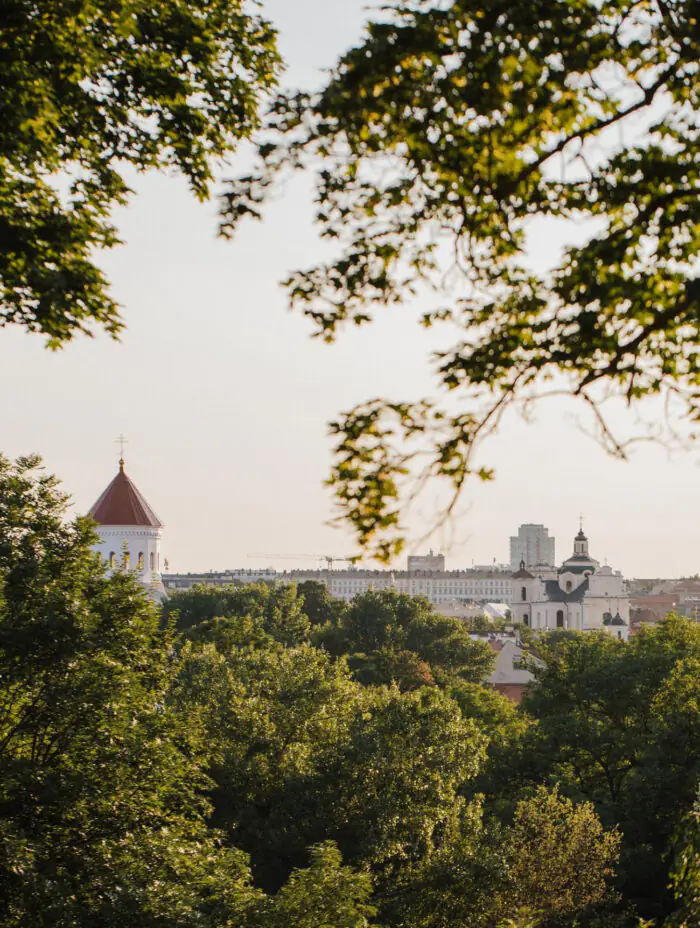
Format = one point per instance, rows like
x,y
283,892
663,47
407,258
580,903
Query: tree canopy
x,y
88,89
223,761
438,143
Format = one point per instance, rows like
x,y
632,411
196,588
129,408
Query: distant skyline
x,y
224,397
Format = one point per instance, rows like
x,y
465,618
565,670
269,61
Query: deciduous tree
x,y
87,90
438,141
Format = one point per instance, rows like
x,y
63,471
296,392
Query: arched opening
x,y
127,561
112,559
523,594
568,586
140,562
153,561
560,618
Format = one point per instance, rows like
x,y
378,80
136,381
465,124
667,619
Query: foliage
x,y
404,668
561,857
102,819
379,629
239,615
304,754
617,724
88,90
551,866
235,774
319,606
451,133
325,894
686,873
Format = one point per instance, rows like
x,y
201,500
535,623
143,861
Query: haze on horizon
x,y
225,398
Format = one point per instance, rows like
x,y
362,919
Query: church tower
x,y
130,532
581,543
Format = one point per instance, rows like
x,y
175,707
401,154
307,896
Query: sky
x,y
225,398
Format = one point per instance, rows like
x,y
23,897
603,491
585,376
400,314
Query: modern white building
x,y
130,532
531,546
580,595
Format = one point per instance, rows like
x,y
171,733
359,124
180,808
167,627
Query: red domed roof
x,y
122,504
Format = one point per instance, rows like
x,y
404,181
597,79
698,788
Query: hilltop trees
x,y
617,724
438,142
88,89
189,768
103,782
391,636
101,806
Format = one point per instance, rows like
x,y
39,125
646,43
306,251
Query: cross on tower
x,y
121,441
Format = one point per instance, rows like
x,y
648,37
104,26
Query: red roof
x,y
122,504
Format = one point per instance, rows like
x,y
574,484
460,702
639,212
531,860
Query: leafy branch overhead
x,y
87,89
448,130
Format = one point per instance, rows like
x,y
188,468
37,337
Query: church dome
x,y
122,504
580,561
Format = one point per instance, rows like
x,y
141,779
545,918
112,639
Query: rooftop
x,y
122,504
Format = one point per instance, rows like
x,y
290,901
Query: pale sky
x,y
225,398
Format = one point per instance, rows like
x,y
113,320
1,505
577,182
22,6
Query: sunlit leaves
x,y
86,89
437,139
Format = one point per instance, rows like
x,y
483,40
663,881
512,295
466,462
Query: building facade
x,y
416,562
130,532
581,595
463,586
531,546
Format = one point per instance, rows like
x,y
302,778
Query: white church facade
x,y
581,595
130,532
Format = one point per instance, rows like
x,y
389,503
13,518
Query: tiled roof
x,y
122,504
555,594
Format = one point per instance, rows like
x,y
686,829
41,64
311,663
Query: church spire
x,y
581,541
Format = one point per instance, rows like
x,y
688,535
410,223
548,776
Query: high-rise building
x,y
531,546
426,562
581,595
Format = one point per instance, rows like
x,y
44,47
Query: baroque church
x,y
130,532
580,595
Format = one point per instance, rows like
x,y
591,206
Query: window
x,y
112,559
560,618
523,594
153,561
526,619
127,561
139,564
568,586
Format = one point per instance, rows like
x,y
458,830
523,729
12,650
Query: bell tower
x,y
130,532
580,541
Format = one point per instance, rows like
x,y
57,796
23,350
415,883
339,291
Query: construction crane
x,y
330,561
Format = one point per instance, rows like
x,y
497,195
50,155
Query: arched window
x,y
568,586
139,563
112,559
560,618
127,560
523,594
153,561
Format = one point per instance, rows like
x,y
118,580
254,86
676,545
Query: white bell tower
x,y
130,532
